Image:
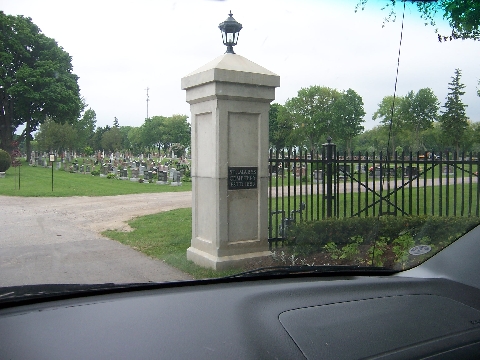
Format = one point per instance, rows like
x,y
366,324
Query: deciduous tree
x,y
312,115
419,111
389,113
36,80
349,116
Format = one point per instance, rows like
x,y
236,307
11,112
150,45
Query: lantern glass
x,y
230,29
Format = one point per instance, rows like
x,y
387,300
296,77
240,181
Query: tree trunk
x,y
27,140
6,133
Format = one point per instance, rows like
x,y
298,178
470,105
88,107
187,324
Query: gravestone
x,y
135,175
176,178
317,176
162,178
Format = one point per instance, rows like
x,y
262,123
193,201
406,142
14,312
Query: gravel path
x,y
57,240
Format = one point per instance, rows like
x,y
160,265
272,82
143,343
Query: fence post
x,y
329,150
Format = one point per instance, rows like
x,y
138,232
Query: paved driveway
x,y
57,240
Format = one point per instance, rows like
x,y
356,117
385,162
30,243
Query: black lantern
x,y
230,29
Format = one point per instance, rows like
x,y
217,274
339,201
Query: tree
x,y
176,131
97,137
372,141
463,16
36,80
85,127
418,112
152,131
349,115
389,111
112,140
56,136
312,113
162,132
453,120
280,127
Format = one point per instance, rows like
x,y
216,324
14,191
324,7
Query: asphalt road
x,y
57,240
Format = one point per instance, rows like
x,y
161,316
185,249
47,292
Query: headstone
x,y
162,178
176,178
135,173
317,176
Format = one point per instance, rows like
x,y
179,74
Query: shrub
x,y
95,173
400,233
5,160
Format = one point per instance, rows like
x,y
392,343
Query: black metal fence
x,y
315,186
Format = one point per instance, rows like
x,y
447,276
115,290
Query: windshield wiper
x,y
325,270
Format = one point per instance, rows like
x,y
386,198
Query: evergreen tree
x,y
453,120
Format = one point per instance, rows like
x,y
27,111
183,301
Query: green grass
x,y
451,201
37,181
166,236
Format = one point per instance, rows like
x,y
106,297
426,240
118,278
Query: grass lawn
x,y
166,236
37,181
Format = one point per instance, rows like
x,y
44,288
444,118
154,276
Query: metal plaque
x,y
242,178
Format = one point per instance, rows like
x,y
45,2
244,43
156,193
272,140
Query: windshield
x,y
178,140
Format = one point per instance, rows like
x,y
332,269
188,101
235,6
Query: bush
x,y
95,173
308,237
5,160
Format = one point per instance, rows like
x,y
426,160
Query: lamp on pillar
x,y
229,100
230,29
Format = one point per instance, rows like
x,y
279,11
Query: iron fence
x,y
320,185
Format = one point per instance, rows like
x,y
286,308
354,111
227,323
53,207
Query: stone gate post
x,y
229,101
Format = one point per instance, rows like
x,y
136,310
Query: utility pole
x,y
147,101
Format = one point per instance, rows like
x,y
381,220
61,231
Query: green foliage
x,y
318,112
463,16
350,251
332,249
111,176
95,172
88,151
454,121
5,160
39,81
112,140
401,245
376,251
56,136
390,115
336,236
419,111
163,132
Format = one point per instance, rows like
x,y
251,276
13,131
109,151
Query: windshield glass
x,y
178,140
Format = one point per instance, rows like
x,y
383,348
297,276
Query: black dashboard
x,y
403,316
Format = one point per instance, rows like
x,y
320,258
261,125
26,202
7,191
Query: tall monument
x,y
229,101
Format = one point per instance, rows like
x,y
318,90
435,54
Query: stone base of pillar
x,y
207,260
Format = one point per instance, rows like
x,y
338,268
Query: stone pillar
x,y
229,100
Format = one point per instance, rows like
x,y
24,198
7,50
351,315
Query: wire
x,y
396,81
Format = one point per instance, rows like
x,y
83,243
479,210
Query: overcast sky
x,y
119,48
